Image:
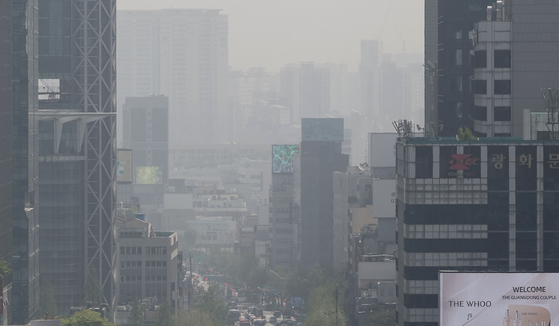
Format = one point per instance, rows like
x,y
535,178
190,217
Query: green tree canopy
x,y
207,301
300,283
86,318
93,290
47,304
136,317
164,315
4,269
466,134
239,270
322,306
195,317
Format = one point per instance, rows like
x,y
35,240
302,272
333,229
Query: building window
x,y
502,59
502,87
457,58
481,59
457,109
502,113
456,83
480,86
480,113
458,34
424,162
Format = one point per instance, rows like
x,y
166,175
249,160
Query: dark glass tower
x,y
6,146
77,86
25,262
321,156
449,97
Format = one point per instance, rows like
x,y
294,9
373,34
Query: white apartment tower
x,y
183,54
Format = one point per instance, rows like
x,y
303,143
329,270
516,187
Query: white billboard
x,y
515,299
382,149
384,198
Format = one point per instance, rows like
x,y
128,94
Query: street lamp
x,y
282,290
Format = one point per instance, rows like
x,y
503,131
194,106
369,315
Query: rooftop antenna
x,y
404,128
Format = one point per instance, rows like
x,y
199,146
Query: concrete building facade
x,y
352,188
148,263
449,64
515,57
471,206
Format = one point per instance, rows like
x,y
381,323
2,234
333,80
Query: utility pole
x,y
190,287
336,296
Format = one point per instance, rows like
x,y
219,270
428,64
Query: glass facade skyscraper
x,y
25,192
77,105
6,148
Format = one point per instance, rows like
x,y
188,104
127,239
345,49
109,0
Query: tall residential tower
x,y
183,54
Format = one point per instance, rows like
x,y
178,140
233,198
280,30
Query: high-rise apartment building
x,y
321,156
183,54
77,153
515,57
6,151
449,63
307,90
488,205
369,73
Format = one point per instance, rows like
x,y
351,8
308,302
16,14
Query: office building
x,y
283,209
472,206
515,57
449,66
148,263
183,54
25,182
146,121
6,152
77,153
352,188
321,156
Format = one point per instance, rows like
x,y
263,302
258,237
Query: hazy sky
x,y
271,33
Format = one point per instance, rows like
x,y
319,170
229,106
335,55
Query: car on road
x,y
273,319
277,314
259,322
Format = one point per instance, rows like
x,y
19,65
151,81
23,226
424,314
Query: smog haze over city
x,y
279,162
271,33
